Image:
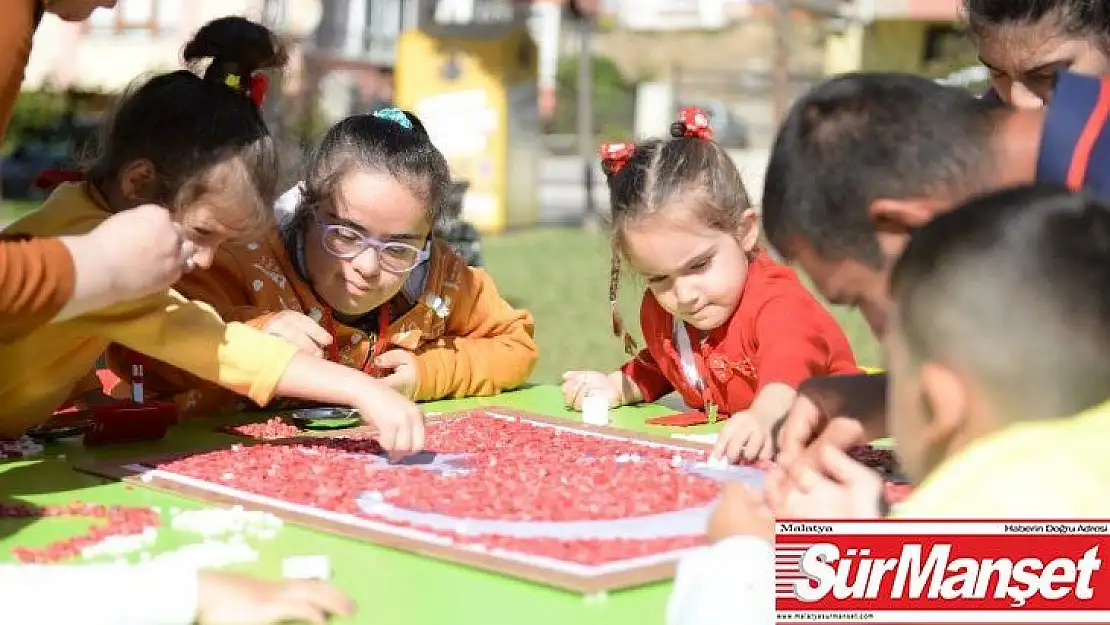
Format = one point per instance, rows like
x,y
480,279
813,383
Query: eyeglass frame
x,y
369,242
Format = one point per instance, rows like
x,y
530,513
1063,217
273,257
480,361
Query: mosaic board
x,y
561,503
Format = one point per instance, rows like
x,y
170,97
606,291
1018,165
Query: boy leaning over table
x,y
47,280
998,355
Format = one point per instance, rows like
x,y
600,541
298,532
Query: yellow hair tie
x,y
233,81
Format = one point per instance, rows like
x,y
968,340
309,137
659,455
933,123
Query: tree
x,y
614,99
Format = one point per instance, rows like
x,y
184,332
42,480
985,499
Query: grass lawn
x,y
562,276
12,210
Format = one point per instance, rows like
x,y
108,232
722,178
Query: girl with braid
x,y
725,326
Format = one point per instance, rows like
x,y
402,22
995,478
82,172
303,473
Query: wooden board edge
x,y
608,582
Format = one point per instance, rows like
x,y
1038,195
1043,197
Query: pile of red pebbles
x,y
116,521
273,428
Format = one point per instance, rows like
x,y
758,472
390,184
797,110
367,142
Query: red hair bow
x,y
614,156
50,178
260,84
695,123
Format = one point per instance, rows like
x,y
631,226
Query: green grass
x,y
12,210
562,277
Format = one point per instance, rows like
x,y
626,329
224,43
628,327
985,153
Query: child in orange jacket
x,y
725,325
356,277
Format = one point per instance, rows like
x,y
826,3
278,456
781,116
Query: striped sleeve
x,y
1075,143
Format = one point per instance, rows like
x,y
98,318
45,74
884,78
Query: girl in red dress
x,y
727,327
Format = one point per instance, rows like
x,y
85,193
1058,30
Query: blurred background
x,y
517,94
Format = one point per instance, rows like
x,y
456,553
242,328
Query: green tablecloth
x,y
390,586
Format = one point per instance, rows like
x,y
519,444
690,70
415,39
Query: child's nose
x,y
685,296
366,263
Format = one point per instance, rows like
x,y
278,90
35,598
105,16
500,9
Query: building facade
x,y
113,48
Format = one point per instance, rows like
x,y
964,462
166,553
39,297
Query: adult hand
x,y
233,599
300,330
842,411
837,487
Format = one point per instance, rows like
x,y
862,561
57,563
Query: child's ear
x,y
138,182
946,396
749,230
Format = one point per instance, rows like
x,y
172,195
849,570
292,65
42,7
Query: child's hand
x,y
577,383
740,513
232,599
744,437
300,330
400,422
837,487
145,250
402,365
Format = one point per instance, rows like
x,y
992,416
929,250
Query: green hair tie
x,y
396,116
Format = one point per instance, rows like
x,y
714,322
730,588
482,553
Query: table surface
x,y
389,586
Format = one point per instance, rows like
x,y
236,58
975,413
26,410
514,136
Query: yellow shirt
x,y
1047,469
38,371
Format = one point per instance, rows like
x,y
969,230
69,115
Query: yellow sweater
x,y
1047,469
38,372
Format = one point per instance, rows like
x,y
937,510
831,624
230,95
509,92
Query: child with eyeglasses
x,y
354,275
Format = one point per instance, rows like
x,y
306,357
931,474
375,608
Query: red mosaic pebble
x,y
118,521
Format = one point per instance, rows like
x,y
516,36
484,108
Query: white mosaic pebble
x,y
306,567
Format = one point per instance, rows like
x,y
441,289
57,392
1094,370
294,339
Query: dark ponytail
x,y
189,121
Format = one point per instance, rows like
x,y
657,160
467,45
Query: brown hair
x,y
189,121
654,175
373,142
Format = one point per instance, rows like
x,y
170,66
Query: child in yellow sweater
x,y
197,145
355,276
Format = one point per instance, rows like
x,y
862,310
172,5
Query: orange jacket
x,y
471,342
36,280
17,29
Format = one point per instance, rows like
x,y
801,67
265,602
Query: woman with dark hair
x,y
1024,43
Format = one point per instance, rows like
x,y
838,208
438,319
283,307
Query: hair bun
x,y
417,125
236,45
678,130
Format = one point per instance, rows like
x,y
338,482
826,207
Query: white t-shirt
x,y
729,583
99,594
